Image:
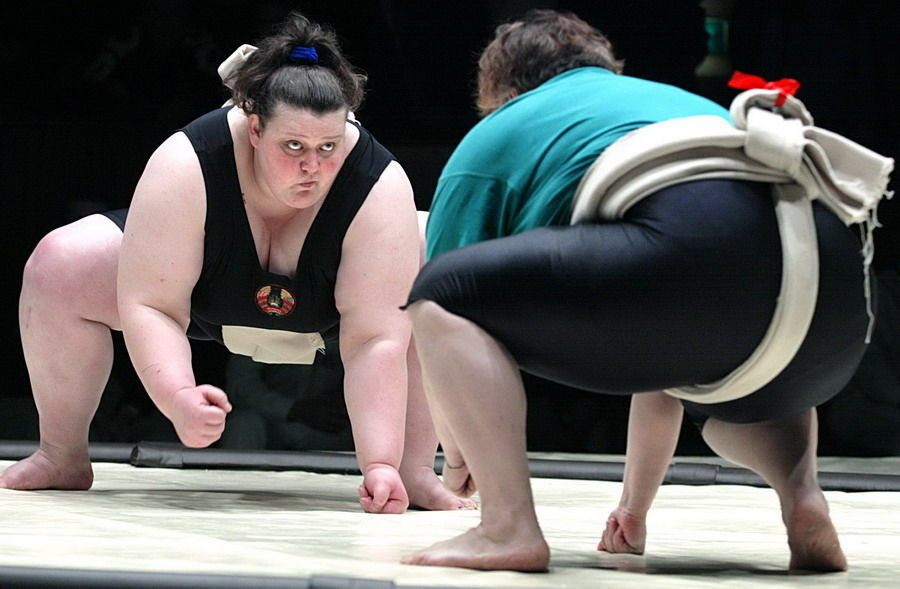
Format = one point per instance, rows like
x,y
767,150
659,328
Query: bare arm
x,y
159,264
654,424
379,262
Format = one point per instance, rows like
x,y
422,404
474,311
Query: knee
x,y
64,261
50,265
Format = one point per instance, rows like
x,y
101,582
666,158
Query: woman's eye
x,y
294,145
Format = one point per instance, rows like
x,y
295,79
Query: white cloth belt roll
x,y
234,61
781,147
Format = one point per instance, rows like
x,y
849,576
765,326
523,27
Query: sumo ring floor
x,y
170,517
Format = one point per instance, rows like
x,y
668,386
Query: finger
x,y
611,540
394,507
216,397
618,541
456,482
606,538
210,433
365,500
206,438
464,488
380,496
213,417
603,545
622,544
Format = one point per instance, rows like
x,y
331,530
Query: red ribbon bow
x,y
785,86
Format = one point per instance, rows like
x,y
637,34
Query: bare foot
x,y
426,491
812,538
40,471
475,550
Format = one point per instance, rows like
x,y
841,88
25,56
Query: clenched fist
x,y
458,480
382,490
624,532
198,414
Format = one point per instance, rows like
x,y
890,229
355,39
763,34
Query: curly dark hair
x,y
270,76
527,51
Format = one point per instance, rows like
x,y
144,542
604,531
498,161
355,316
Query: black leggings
x,y
679,292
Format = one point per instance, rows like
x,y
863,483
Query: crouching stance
x,y
270,226
675,290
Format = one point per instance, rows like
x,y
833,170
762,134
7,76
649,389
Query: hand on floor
x,y
382,490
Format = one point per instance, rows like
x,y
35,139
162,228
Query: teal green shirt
x,y
518,168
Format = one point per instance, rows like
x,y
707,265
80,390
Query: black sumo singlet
x,y
233,291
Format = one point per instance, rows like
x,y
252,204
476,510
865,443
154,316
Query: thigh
x,y
835,342
75,268
679,292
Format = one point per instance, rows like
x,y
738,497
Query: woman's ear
x,y
255,128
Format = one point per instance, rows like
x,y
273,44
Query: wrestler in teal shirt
x,y
518,168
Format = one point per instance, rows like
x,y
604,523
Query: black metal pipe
x,y
168,455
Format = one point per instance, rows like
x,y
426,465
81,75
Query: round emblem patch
x,y
275,300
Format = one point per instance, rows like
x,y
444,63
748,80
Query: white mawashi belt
x,y
782,147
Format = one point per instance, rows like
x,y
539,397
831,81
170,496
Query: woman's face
x,y
298,153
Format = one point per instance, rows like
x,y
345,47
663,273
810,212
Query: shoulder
x,y
386,223
174,162
175,153
370,158
367,157
380,250
391,193
172,182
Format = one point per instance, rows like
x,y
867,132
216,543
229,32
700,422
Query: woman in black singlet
x,y
271,226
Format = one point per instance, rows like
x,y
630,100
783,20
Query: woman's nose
x,y
310,163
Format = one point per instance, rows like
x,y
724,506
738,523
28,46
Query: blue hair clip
x,y
304,55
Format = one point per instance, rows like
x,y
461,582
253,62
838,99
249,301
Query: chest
x,y
267,276
278,244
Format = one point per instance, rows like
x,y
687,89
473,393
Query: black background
x,y
91,88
